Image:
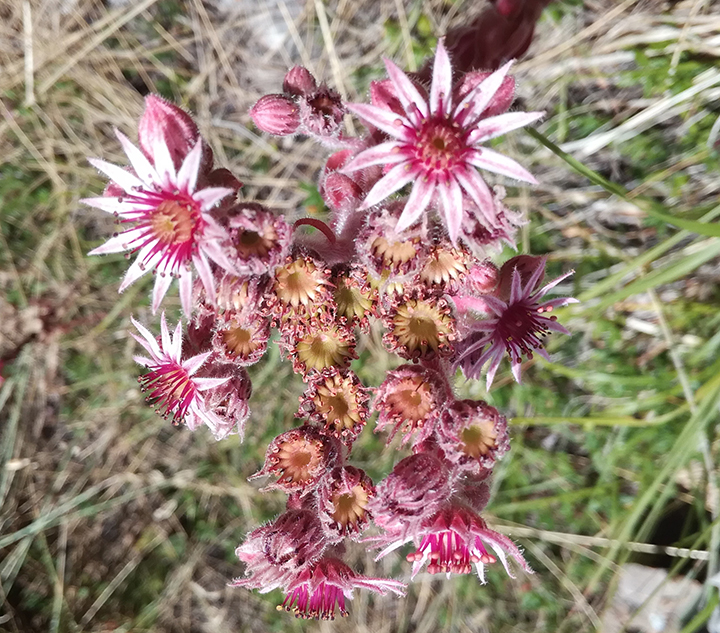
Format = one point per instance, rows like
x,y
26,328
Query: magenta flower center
x,y
523,329
171,390
449,553
320,604
439,145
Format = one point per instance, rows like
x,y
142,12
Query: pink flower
x,y
173,386
456,538
316,592
435,143
514,324
172,227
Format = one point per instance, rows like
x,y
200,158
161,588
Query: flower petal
x,y
191,365
188,174
452,207
140,164
137,268
385,120
119,243
441,86
162,284
498,125
152,346
120,176
478,99
118,206
395,179
476,187
419,199
498,163
383,154
412,101
210,196
186,291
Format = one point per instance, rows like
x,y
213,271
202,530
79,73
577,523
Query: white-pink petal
x,y
478,99
137,268
441,86
419,199
162,285
188,173
204,384
498,163
480,193
385,120
119,243
111,204
495,126
191,365
210,196
410,98
186,291
140,164
164,164
152,347
395,179
452,204
118,175
384,154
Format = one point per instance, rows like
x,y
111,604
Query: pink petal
x,y
164,333
136,270
516,292
560,302
451,197
208,383
478,190
140,164
395,179
516,369
186,291
162,284
110,204
477,100
118,175
501,124
384,120
441,86
210,196
551,284
191,365
143,360
203,267
164,164
175,349
383,154
465,303
492,369
410,98
187,176
420,197
152,347
499,164
119,243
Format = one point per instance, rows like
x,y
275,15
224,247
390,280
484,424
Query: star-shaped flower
x,y
436,143
172,228
171,382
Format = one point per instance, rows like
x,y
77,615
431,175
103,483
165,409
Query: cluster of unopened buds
x,y
404,249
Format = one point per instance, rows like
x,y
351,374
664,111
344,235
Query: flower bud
x,y
276,114
164,123
502,99
299,81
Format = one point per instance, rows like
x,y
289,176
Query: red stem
x,y
319,225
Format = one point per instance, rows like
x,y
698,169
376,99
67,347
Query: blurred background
x,y
113,520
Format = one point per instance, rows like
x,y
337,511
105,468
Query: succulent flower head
x,y
172,385
299,458
316,592
258,239
516,326
338,401
420,327
172,226
410,399
229,401
343,500
473,435
323,347
436,144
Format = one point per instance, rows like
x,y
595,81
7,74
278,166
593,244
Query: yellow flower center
x,y
478,439
173,222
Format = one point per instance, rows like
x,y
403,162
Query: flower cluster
x,y
405,250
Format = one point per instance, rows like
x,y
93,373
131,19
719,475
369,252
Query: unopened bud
x,y
299,81
382,95
276,114
165,123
